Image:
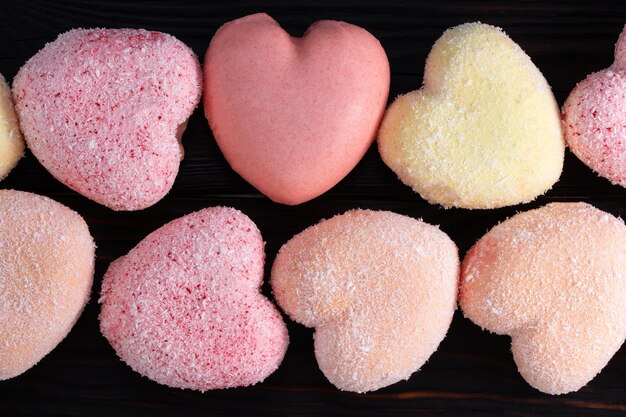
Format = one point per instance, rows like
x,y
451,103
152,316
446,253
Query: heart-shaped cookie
x,y
483,132
184,306
293,116
552,279
594,119
379,288
11,141
46,271
101,109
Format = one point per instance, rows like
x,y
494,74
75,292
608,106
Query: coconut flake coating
x,y
184,307
483,132
11,140
379,288
46,272
594,118
552,279
101,110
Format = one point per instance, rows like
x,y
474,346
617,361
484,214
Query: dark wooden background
x,y
472,373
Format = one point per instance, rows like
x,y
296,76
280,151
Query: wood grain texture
x,y
472,373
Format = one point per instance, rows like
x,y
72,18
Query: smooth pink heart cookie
x,y
293,116
103,109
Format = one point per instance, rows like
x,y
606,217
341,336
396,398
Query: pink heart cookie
x,y
184,306
101,109
293,116
594,119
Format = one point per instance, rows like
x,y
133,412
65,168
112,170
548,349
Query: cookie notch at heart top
x,y
483,132
293,116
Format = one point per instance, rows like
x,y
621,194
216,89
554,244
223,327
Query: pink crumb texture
x,y
594,119
101,109
46,272
378,287
293,116
554,280
184,307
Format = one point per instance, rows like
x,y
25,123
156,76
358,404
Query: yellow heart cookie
x,y
483,132
11,142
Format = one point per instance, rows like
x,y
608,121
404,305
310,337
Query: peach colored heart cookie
x,y
46,271
379,288
552,279
101,109
594,118
293,116
184,306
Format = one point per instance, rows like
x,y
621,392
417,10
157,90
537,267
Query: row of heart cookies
x,y
184,306
104,111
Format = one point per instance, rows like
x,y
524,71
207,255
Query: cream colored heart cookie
x,y
483,132
11,140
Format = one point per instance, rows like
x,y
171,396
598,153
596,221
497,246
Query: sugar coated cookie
x,y
46,272
483,132
594,119
552,279
101,109
11,141
184,306
379,288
